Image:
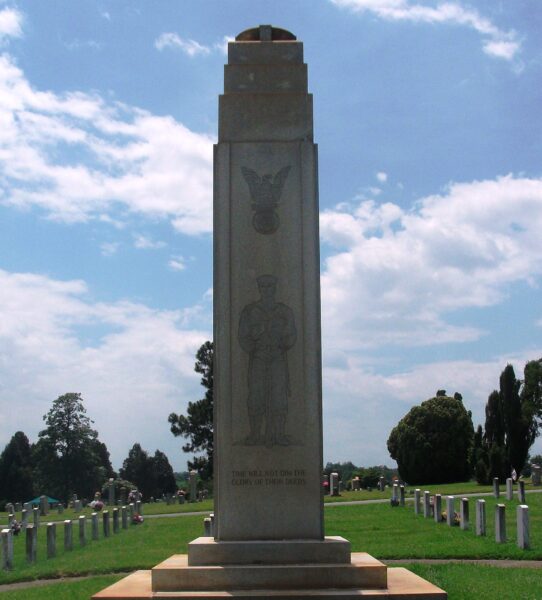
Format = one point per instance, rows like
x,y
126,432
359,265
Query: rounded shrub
x,y
431,443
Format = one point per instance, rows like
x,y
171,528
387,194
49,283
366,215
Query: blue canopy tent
x,y
51,501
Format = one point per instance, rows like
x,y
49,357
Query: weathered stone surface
x,y
266,287
521,491
464,514
6,538
106,523
522,523
31,543
207,551
509,489
450,510
68,535
95,526
417,493
51,540
427,504
82,530
500,523
480,517
175,574
437,508
402,585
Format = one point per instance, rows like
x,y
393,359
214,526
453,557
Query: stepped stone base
x,y
364,577
175,574
208,551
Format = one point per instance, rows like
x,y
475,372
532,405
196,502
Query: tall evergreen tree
x,y
65,459
164,479
16,481
138,469
531,392
197,425
512,421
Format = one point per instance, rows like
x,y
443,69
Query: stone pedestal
x,y
268,532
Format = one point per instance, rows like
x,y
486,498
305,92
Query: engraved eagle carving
x,y
265,192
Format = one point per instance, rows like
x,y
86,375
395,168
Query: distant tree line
x,y
436,442
68,458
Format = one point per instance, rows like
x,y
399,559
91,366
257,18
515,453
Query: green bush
x,y
431,444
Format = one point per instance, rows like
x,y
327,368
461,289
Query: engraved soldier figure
x,y
266,332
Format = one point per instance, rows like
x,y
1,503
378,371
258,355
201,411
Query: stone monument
x,y
268,532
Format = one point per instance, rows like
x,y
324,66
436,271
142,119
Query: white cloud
x,y
144,242
177,263
497,43
189,47
131,376
10,24
408,270
134,160
109,248
382,177
502,49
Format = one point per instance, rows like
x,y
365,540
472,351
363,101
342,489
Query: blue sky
x,y
428,121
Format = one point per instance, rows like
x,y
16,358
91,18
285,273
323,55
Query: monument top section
x,y
265,89
265,33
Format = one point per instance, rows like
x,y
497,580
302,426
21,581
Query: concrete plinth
x,y
208,551
401,585
176,574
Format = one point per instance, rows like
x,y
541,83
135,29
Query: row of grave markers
x,y
31,533
434,510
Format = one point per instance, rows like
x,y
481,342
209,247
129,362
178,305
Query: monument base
x,y
361,576
208,551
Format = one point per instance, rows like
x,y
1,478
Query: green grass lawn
x,y
382,531
481,582
387,532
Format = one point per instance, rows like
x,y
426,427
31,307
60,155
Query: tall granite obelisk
x,y
267,369
268,530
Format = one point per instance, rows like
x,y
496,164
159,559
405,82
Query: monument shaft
x,y
267,369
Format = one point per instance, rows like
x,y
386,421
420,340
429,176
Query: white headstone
x,y
68,535
464,514
450,510
7,549
417,493
437,508
480,517
427,504
51,540
509,489
500,523
522,521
